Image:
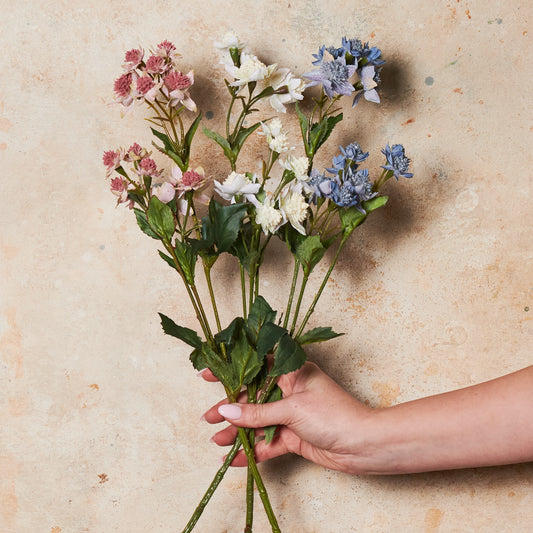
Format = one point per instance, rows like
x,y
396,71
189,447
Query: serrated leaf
x,y
309,252
260,313
268,337
320,131
186,335
293,238
275,396
160,218
227,335
143,224
352,217
186,257
220,368
224,223
244,359
317,335
289,356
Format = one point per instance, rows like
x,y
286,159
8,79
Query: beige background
x,y
99,411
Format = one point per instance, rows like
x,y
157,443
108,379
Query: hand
x,y
318,420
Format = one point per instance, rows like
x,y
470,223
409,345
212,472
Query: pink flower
x,y
119,187
133,59
123,85
155,65
192,180
134,153
112,160
166,47
164,192
144,84
175,88
148,167
178,81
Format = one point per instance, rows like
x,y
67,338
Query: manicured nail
x,y
212,439
202,418
200,373
231,411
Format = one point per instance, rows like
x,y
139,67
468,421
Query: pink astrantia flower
x,y
133,59
175,88
112,160
120,187
144,84
155,65
134,153
167,49
147,167
122,85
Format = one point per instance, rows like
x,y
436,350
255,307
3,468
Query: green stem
x,y
291,294
249,499
202,311
322,286
212,487
243,291
207,271
248,450
299,303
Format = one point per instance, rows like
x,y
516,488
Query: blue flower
x,y
369,81
397,163
334,76
360,183
352,154
361,52
320,56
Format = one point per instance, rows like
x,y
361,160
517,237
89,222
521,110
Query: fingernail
x,y
231,411
212,439
202,418
200,373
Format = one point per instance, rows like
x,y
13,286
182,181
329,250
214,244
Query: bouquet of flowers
x,y
196,218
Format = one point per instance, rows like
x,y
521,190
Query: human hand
x,y
317,419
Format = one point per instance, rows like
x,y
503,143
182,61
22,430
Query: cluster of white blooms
x,y
286,87
275,135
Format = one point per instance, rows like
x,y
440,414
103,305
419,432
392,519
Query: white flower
x,y
276,138
237,185
298,165
295,86
230,40
293,205
251,69
268,216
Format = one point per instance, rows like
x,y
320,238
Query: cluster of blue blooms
x,y
352,56
350,186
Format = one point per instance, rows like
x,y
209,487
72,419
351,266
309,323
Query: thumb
x,y
249,415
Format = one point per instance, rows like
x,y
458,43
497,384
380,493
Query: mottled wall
x,y
99,411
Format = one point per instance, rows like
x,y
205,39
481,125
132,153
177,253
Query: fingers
x,y
257,415
207,375
264,451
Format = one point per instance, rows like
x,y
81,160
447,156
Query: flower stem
x,y
299,302
258,481
207,271
291,294
322,286
212,487
243,291
249,499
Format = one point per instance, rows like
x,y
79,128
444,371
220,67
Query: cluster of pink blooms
x,y
155,78
174,187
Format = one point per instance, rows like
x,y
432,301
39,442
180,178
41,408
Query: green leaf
x,y
320,131
186,335
223,224
227,334
187,260
167,259
268,337
221,141
160,218
198,360
352,217
375,203
317,335
244,133
309,252
165,138
244,359
260,313
293,238
289,356
220,368
121,171
143,224
275,396
187,140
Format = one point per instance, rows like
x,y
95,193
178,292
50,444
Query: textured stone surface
x,y
99,412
